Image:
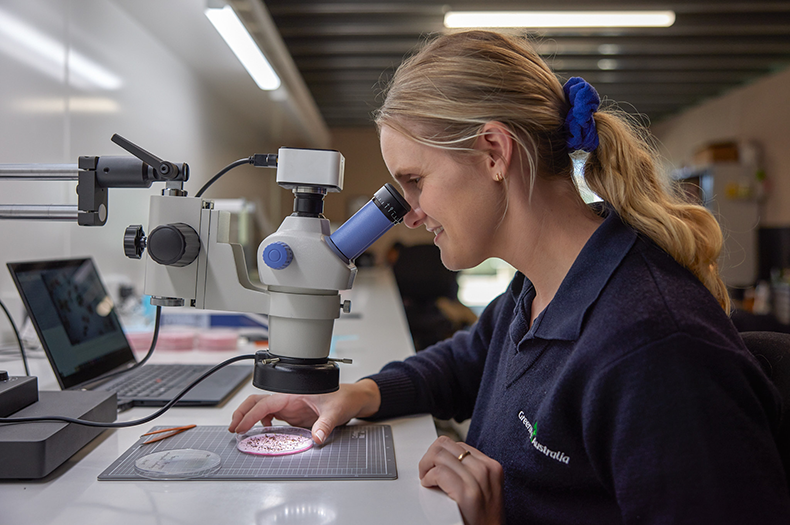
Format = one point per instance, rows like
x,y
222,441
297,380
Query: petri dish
x,y
184,463
274,441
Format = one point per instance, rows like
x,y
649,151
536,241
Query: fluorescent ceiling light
x,y
56,105
244,47
539,19
607,64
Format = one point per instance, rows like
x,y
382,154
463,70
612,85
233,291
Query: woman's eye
x,y
415,181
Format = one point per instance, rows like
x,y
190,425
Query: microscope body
x,y
300,274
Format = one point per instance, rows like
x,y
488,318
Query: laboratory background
x,y
711,86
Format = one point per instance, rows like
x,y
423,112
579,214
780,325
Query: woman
x,y
607,384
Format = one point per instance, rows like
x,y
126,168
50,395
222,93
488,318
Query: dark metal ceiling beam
x,y
323,7
373,77
630,63
329,94
347,50
760,45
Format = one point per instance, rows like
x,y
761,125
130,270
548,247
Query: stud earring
x,y
499,177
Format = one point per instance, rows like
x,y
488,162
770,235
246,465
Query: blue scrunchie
x,y
579,124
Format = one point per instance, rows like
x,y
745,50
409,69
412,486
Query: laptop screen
x,y
74,317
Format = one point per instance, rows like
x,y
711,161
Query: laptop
x,y
76,322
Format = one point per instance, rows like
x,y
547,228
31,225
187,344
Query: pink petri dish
x,y
176,339
218,340
274,441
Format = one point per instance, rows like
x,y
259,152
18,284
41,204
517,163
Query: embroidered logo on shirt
x,y
533,438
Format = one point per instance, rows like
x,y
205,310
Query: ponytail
x,y
622,171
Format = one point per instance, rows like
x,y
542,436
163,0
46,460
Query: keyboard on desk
x,y
157,385
155,380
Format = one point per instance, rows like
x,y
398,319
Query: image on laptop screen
x,y
74,317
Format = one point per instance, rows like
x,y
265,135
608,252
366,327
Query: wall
x,y
51,113
757,113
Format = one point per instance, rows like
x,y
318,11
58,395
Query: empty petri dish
x,y
184,463
274,441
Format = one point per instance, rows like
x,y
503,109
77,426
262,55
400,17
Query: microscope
x,y
190,262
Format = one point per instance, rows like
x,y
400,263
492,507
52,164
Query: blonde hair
x,y
444,95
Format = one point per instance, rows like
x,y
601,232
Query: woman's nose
x,y
414,218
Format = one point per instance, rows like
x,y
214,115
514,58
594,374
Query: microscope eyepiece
x,y
391,203
386,209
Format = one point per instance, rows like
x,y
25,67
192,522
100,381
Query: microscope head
x,y
304,266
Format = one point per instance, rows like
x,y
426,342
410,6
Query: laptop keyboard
x,y
153,380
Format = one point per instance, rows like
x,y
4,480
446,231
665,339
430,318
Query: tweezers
x,y
172,432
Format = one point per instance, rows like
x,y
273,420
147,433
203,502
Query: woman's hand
x,y
321,411
471,479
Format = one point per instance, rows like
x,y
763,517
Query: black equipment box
x,y
33,450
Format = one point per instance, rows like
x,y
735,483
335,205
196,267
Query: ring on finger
x,y
463,454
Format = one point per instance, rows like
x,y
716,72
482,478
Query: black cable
x,y
147,356
18,339
259,160
124,424
240,162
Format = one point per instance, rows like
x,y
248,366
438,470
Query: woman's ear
x,y
496,142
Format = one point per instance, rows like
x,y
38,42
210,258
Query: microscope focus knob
x,y
134,241
174,244
278,255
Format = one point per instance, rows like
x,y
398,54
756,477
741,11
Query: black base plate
x,y
295,376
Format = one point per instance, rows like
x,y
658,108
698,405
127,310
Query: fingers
x,y
334,410
450,475
322,411
256,408
439,449
322,428
240,412
441,467
474,481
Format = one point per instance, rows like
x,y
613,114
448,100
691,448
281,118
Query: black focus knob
x,y
134,241
174,244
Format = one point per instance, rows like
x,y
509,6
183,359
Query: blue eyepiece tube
x,y
386,209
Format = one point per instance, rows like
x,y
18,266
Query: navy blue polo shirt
x,y
630,399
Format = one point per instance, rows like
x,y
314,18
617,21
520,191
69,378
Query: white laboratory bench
x,y
373,335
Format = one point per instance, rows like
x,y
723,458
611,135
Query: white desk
x,y
72,495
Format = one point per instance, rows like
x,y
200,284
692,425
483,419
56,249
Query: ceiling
x,y
347,50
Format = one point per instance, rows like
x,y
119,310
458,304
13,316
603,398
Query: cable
x,y
240,162
259,160
147,356
124,424
18,339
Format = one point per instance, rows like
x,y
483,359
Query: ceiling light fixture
x,y
243,46
543,19
55,105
